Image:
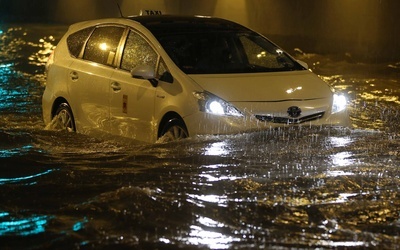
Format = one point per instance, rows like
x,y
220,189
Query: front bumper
x,y
202,123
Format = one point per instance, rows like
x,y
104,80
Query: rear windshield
x,y
225,52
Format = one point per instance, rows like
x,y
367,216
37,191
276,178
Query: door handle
x,y
74,76
116,86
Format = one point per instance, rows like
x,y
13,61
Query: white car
x,y
148,77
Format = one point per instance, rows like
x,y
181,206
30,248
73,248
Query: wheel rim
x,y
64,121
175,133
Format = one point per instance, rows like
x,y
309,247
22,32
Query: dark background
x,y
356,30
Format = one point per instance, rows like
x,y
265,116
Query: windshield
x,y
225,52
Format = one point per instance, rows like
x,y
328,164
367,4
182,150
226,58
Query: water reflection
x,y
5,153
21,80
80,225
209,238
14,95
217,148
340,244
46,45
340,141
22,225
206,234
24,178
210,178
342,159
200,200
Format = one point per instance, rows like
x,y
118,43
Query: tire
x,y
174,130
63,118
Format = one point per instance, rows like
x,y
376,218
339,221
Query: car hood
x,y
264,87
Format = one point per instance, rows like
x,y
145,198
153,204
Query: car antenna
x,y
120,11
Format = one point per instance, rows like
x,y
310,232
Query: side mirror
x,y
304,64
145,72
167,77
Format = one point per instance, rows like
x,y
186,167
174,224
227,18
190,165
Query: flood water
x,y
302,187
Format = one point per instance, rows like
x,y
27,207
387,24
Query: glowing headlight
x,y
339,103
216,108
214,105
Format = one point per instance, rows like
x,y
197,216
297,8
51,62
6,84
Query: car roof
x,y
176,24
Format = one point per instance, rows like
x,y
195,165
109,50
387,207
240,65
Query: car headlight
x,y
214,105
339,103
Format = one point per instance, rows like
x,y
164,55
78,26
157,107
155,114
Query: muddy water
x,y
291,187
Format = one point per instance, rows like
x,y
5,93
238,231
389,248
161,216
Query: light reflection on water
x,y
377,96
211,178
5,153
206,234
46,45
22,226
341,159
211,239
340,141
217,148
199,200
21,69
4,181
80,225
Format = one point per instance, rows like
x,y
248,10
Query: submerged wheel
x,y
174,130
63,118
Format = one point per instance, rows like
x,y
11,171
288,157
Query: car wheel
x,y
174,130
63,118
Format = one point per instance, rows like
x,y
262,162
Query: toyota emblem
x,y
294,111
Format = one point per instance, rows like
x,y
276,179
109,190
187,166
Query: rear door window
x,y
102,44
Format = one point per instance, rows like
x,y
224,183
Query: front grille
x,y
289,120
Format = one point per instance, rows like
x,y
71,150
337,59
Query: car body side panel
x,y
89,87
132,107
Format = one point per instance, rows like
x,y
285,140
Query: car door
x,y
132,99
90,79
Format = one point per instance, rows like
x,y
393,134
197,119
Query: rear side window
x,y
102,44
76,41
